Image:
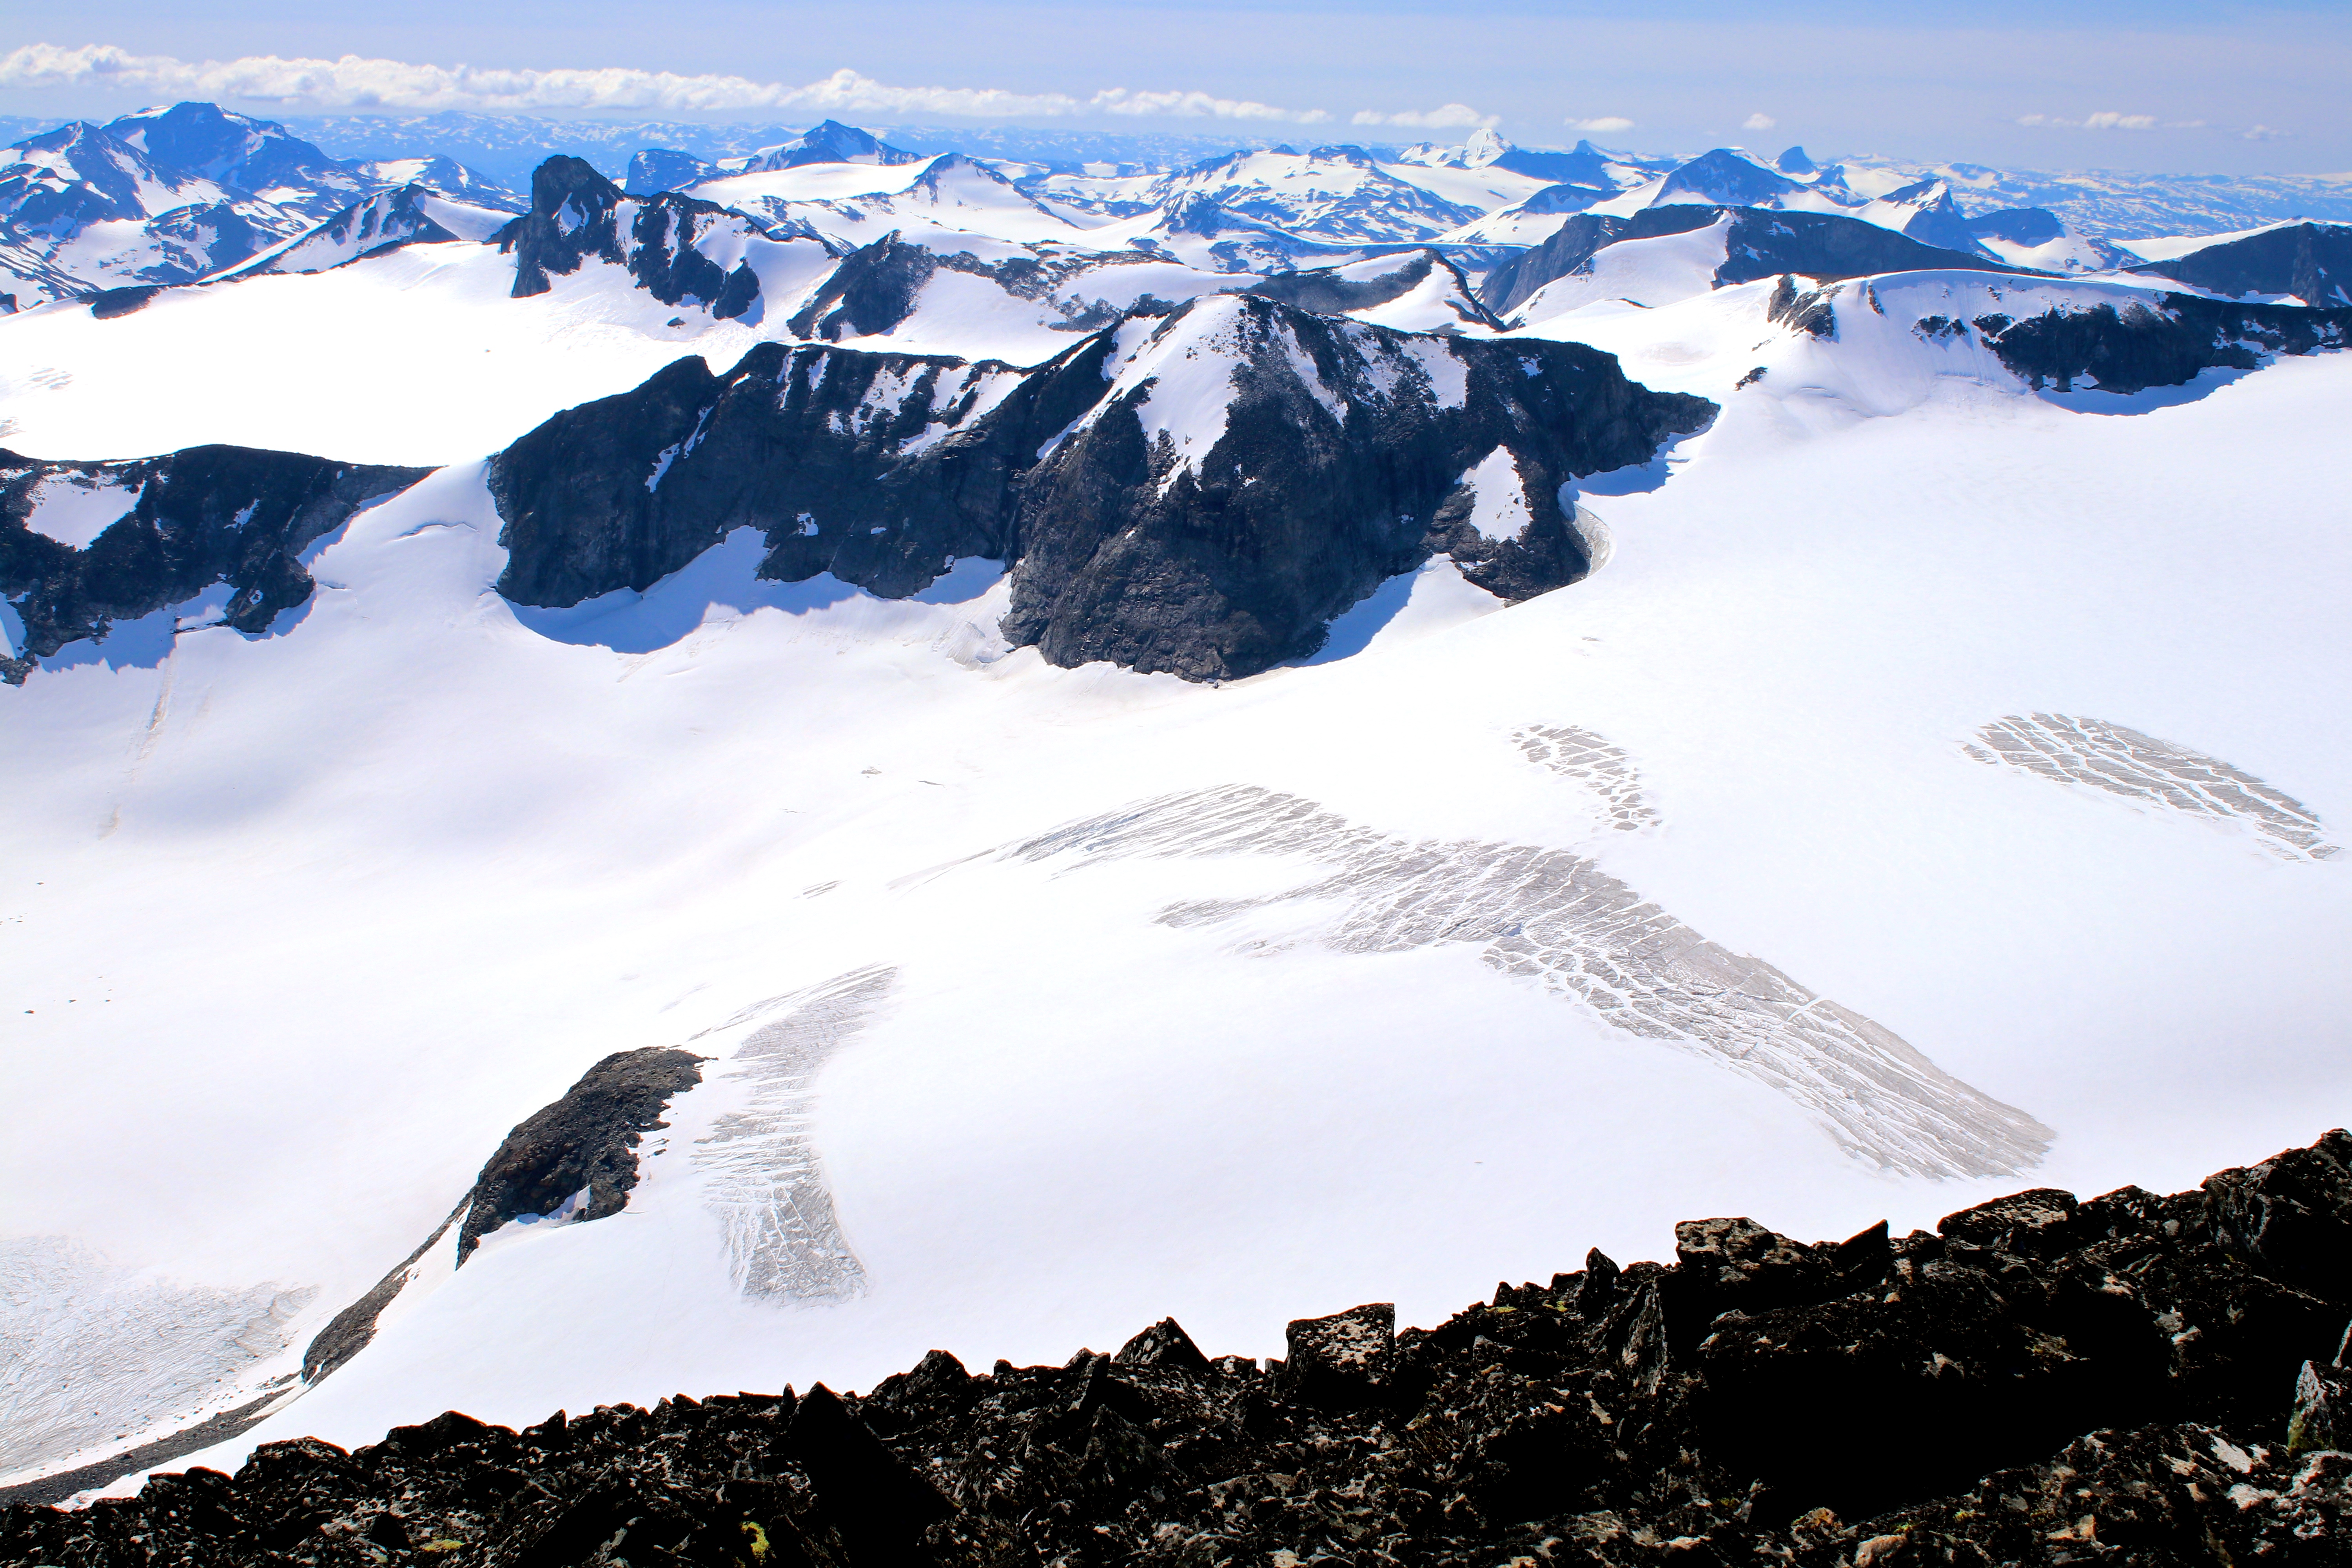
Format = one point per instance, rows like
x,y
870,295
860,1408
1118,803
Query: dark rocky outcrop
x,y
2042,1381
2019,226
384,221
882,469
1329,292
2164,342
191,519
808,445
879,285
577,212
2312,261
1316,490
586,1142
872,290
1761,242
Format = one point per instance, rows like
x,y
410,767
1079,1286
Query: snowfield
x,y
418,355
1837,851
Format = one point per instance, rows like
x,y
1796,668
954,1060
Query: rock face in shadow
x,y
1212,546
576,213
1762,241
1334,290
2312,261
880,468
188,519
384,221
2039,1381
1197,491
581,1147
2162,344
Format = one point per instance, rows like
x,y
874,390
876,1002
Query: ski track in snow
x,y
1557,918
92,1351
1598,765
2075,750
766,1182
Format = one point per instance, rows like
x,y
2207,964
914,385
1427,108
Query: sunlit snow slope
x,y
1781,867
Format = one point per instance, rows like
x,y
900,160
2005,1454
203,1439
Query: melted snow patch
x,y
1500,511
74,509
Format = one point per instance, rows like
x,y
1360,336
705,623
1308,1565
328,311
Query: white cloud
x,y
2263,133
1758,122
1195,105
1450,117
353,82
2105,119
1600,122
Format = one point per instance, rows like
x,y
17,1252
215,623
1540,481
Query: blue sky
x,y
2162,84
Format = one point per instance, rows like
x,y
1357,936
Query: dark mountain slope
x,y
1340,459
2312,261
1762,242
190,520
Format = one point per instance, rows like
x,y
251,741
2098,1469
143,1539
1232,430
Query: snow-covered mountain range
x,y
821,749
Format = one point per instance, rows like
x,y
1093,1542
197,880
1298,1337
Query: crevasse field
x,y
2005,735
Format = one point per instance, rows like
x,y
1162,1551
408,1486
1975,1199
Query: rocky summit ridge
x,y
2132,1379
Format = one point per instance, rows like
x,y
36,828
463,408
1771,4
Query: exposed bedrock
x,y
575,1157
2165,344
577,212
2312,261
582,1150
1217,481
183,522
1762,242
2041,1380
1327,290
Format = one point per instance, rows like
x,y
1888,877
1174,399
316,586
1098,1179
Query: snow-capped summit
x,y
1794,161
828,142
253,157
1728,177
89,206
412,215
1584,165
1334,195
1925,212
59,183
448,176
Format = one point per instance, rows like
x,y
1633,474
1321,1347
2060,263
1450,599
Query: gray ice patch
x,y
92,1351
2075,750
1597,764
766,1182
1557,918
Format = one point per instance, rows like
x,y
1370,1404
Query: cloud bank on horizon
x,y
353,81
1362,82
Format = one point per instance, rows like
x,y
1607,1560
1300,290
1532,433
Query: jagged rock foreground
x,y
2134,1379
